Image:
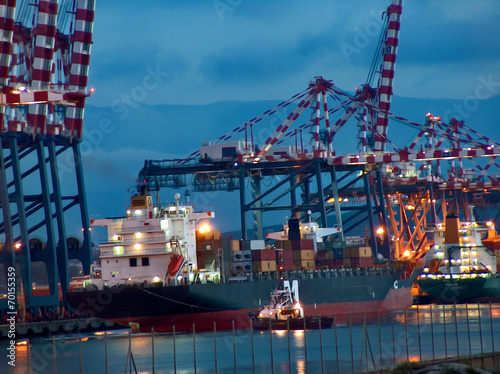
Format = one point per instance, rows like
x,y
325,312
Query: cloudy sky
x,y
204,51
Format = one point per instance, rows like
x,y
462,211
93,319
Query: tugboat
x,y
285,312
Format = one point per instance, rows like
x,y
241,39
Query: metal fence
x,y
359,344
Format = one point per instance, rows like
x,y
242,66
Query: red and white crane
x,y
42,65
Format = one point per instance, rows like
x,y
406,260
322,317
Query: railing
x,y
408,339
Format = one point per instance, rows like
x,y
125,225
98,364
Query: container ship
x,y
164,266
463,263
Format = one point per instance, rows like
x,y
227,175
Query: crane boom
x,y
386,79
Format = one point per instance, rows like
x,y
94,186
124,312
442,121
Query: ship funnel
x,y
293,229
451,235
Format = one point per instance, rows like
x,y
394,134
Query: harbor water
x,y
416,334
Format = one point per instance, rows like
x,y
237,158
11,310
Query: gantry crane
x,y
382,167
44,61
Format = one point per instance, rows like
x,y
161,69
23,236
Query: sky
x,y
200,52
171,52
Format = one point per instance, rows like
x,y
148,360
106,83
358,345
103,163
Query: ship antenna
x,y
177,196
471,213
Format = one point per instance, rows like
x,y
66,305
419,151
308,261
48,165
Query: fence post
x,y
380,341
418,332
55,353
153,347
234,347
393,341
289,353
480,332
251,342
444,328
350,334
456,328
406,338
321,346
194,347
432,333
492,336
28,358
80,347
468,329
175,360
336,342
215,346
305,343
271,345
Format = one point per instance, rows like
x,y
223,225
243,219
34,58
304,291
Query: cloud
x,y
121,165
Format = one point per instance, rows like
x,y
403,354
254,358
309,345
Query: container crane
x,y
44,63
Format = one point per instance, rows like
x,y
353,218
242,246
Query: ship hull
x,y
462,290
203,304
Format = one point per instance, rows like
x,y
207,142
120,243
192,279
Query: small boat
x,y
285,312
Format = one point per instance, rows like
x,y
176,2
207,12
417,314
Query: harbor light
x,y
138,235
156,279
137,246
204,229
17,245
406,253
380,231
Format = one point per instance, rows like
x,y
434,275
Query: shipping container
x,y
257,244
361,252
346,252
245,245
347,263
330,255
338,262
284,254
361,262
247,266
339,244
307,264
237,268
286,264
264,254
264,266
234,245
237,256
338,253
306,254
300,244
321,263
321,256
320,246
330,264
247,255
307,244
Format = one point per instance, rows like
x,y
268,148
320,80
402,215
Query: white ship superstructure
x,y
140,246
